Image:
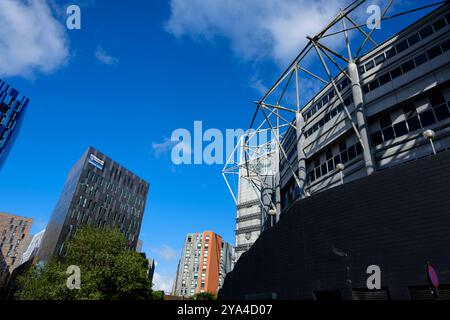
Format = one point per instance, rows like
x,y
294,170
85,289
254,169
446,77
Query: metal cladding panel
x,y
397,219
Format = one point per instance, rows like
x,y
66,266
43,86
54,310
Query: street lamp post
x,y
429,135
340,168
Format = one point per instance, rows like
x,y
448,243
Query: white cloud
x,y
163,283
31,39
165,252
255,28
160,148
105,58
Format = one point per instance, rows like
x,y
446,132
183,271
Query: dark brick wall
x,y
397,219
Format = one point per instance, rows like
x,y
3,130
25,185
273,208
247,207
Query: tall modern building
x,y
98,192
12,112
204,263
14,239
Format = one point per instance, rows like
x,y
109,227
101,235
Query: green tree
x,y
204,296
108,270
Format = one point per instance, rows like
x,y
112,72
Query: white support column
x,y
360,117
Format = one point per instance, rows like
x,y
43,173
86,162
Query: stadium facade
x,y
380,110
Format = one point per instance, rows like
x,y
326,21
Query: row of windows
x,y
327,97
405,44
345,155
414,120
330,115
407,66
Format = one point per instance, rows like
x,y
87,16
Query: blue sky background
x,y
127,83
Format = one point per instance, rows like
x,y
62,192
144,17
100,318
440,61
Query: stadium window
x,y
390,53
333,113
438,25
388,133
446,46
380,59
365,88
359,149
324,169
337,159
442,112
419,60
361,69
370,65
327,118
377,138
344,156
385,121
408,66
402,46
352,153
413,124
342,146
427,118
397,72
425,32
436,98
414,39
400,129
374,84
385,78
434,52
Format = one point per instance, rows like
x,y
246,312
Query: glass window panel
x,y
324,168
400,129
446,46
380,59
390,53
385,78
438,25
374,84
370,65
413,124
385,121
437,98
442,112
388,134
425,32
402,46
397,72
351,152
414,39
427,118
344,157
419,60
377,138
330,165
408,66
434,52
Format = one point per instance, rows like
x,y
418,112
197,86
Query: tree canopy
x,y
108,270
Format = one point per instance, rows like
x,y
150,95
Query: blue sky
x,y
136,71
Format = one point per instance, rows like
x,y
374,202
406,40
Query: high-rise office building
x,y
14,239
204,263
12,111
98,192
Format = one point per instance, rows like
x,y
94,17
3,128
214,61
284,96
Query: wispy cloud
x,y
165,252
163,283
31,39
103,57
255,28
161,148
